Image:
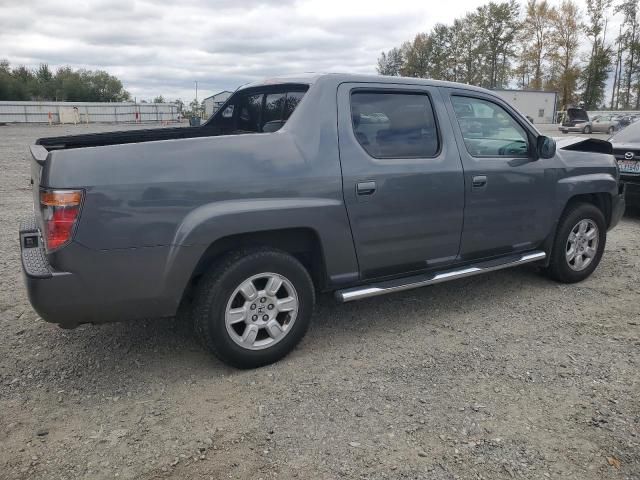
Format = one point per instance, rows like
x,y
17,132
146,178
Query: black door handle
x,y
479,181
366,188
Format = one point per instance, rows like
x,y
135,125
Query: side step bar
x,y
416,281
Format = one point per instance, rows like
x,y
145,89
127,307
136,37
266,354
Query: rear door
x,y
402,177
508,191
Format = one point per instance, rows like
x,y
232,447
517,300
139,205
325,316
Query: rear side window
x,y
394,125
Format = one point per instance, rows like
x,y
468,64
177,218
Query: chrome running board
x,y
416,281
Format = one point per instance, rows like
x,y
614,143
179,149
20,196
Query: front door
x,y
509,192
402,177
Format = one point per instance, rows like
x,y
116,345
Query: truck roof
x,y
310,78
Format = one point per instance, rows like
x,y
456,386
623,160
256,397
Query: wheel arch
x,y
303,243
600,199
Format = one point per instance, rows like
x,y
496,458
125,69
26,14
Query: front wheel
x,y
254,307
579,243
611,130
587,129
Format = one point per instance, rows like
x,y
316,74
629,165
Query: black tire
x,y
587,129
611,130
216,288
559,268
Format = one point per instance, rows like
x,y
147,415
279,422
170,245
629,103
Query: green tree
x,y
535,32
159,99
390,63
65,85
630,45
498,25
595,74
417,56
564,42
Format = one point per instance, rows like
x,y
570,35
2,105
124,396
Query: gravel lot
x,y
503,376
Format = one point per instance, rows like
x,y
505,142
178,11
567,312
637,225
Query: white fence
x,y
86,112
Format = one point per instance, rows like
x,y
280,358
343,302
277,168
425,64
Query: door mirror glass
x,y
546,147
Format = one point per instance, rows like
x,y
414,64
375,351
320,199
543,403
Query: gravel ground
x,y
503,376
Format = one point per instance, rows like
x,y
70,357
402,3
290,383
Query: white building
x,y
214,102
536,104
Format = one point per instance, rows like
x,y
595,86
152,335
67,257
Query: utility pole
x,y
197,104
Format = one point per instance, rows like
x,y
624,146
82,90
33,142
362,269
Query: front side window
x,y
394,125
488,129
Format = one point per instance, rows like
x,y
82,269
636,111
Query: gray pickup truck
x,y
358,185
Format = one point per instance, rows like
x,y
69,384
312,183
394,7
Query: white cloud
x,y
163,46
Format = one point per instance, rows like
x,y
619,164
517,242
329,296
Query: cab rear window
x,y
256,111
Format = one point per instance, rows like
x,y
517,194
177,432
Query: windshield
x,y
630,134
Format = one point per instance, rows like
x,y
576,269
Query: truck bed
x,y
126,136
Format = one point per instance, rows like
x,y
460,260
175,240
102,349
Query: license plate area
x,y
629,166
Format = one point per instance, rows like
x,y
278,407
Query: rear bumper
x,y
47,288
567,129
101,286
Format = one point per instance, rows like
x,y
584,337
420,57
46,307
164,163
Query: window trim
x,y
396,91
531,138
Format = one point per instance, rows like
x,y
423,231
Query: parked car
x,y
605,123
359,185
626,149
622,120
575,120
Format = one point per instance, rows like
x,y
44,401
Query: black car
x,y
623,120
626,148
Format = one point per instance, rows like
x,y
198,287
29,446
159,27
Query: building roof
x,y
216,94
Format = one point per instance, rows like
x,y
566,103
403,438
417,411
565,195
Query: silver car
x,y
605,123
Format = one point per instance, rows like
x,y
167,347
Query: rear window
x,y
394,125
255,111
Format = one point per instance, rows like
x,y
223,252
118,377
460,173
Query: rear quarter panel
x,y
177,197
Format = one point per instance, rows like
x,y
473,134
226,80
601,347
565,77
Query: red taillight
x,y
60,209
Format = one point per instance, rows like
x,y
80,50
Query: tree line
x,y
65,84
539,47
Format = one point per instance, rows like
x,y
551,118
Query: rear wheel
x,y
579,243
586,129
611,130
254,307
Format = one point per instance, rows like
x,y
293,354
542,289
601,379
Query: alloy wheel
x,y
582,245
261,311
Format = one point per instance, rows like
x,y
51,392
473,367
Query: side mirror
x,y
545,147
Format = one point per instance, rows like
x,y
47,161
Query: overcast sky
x,y
162,46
